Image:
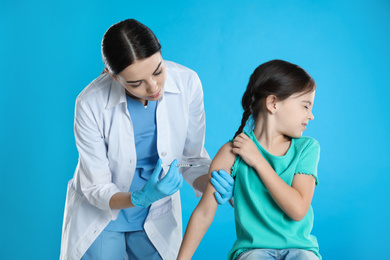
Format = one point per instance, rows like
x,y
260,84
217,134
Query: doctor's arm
x,y
194,151
153,190
94,175
204,213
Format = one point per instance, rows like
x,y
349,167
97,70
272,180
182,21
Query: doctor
x,y
133,124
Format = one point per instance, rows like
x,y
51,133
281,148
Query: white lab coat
x,y
107,159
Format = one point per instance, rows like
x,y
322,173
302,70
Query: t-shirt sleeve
x,y
309,159
238,159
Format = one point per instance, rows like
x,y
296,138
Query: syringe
x,y
183,165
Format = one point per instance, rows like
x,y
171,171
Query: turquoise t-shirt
x,y
145,136
260,222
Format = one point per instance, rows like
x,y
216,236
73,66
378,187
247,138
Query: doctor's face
x,y
144,79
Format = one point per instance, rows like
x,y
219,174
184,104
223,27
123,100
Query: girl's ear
x,y
112,76
270,104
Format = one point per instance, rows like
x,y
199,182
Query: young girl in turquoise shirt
x,y
274,167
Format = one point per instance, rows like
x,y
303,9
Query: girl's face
x,y
294,113
144,79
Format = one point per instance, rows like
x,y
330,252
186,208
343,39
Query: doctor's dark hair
x,y
275,77
125,42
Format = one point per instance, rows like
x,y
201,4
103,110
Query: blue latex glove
x,y
223,183
156,189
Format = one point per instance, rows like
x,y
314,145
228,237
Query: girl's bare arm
x,y
204,213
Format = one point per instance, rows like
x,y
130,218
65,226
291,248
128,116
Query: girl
x,y
275,170
142,112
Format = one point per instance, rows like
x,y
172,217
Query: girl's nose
x,y
311,116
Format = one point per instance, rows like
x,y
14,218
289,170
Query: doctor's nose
x,y
152,85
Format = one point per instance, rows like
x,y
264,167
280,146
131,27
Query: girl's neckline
x,y
253,137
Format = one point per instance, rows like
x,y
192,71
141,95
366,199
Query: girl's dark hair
x,y
275,77
126,42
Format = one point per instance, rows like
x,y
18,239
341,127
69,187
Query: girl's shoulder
x,y
306,143
224,159
306,140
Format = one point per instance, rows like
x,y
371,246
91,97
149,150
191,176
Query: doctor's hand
x,y
156,189
223,183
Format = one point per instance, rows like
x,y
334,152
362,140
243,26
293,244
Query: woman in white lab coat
x,y
133,125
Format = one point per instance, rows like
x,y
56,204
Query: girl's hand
x,y
246,148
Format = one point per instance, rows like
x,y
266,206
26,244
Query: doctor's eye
x,y
135,85
158,72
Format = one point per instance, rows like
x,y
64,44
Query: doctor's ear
x,y
270,103
112,76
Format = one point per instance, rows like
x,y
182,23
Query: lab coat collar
x,y
118,93
170,85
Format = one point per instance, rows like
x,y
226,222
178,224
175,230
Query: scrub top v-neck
x,y
145,136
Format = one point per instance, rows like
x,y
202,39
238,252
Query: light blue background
x,y
50,50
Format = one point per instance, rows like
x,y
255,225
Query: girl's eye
x,y
306,107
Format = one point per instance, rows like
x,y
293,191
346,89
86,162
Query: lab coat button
x,y
163,154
